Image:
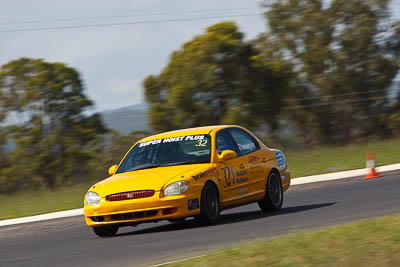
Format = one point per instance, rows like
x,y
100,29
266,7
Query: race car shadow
x,y
252,215
229,219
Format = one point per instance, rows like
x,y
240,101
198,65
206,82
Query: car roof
x,y
189,131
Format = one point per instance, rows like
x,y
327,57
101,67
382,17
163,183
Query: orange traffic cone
x,y
371,165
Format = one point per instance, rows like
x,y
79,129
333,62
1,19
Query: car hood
x,y
148,179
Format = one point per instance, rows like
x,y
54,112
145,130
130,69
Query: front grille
x,y
130,195
98,218
133,215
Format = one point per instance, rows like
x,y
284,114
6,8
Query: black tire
x,y
209,206
273,199
106,231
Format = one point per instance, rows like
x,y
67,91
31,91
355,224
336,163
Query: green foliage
x,y
4,161
216,78
393,119
43,105
345,55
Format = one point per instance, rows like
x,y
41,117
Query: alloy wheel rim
x,y
211,203
275,190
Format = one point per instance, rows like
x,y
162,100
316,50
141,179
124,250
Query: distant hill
x,y
127,119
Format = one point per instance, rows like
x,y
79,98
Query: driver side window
x,y
224,142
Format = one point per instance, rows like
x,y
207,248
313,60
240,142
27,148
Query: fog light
x,y
193,204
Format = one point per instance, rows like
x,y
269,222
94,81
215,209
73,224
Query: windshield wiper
x,y
146,166
187,162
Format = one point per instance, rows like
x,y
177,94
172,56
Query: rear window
x,y
246,143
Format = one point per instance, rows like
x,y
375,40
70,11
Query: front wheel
x,y
273,199
209,206
105,231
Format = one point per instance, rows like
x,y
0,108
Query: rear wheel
x,y
105,231
209,206
273,199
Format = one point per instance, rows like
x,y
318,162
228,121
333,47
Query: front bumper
x,y
153,208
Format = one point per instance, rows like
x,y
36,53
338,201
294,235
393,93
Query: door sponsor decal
x,y
281,160
253,159
205,174
242,192
229,177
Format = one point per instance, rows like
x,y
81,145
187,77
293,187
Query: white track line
x,y
185,259
296,181
11,228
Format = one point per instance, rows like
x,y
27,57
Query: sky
x,y
114,60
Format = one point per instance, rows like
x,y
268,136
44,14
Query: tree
x,y
3,154
44,106
393,119
345,55
215,78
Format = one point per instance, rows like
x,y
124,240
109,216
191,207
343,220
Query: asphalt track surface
x,y
67,242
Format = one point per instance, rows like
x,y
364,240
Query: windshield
x,y
190,149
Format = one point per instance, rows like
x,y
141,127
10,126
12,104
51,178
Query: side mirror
x,y
227,154
112,169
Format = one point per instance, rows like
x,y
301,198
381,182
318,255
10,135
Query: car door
x,y
232,172
249,150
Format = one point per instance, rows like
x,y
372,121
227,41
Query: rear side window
x,y
224,142
245,142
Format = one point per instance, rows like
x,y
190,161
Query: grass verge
x,y
328,159
42,201
301,163
374,242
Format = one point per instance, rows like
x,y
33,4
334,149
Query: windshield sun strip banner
x,y
172,139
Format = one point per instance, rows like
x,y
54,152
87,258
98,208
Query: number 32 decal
x,y
201,143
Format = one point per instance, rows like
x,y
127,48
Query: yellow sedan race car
x,y
193,172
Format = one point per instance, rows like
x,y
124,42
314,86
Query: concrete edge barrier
x,y
43,217
341,175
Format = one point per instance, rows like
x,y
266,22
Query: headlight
x,y
92,198
176,188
